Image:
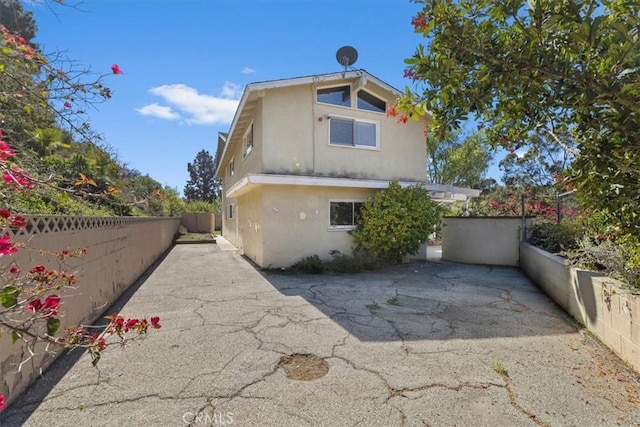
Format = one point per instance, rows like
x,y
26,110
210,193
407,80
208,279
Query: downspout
x,y
313,130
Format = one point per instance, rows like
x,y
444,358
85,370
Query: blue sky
x,y
186,62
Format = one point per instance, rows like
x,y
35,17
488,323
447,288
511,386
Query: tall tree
x,y
457,160
203,184
16,20
562,70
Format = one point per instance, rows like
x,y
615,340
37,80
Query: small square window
x,y
344,215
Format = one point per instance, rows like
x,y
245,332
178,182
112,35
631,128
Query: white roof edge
x,y
442,188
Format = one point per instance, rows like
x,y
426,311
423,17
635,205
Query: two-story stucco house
x,y
301,156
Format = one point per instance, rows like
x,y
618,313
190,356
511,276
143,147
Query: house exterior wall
x,y
250,225
296,131
296,222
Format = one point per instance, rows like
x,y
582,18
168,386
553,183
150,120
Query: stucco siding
x,y
296,223
250,225
288,130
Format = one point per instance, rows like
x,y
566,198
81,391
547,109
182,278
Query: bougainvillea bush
x,y
33,89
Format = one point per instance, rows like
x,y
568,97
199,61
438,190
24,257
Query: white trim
x,y
437,191
367,147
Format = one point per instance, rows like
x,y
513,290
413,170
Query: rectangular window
x,y
352,133
248,140
344,215
335,95
230,211
232,167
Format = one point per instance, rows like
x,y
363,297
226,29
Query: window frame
x,y
232,167
354,145
349,85
246,150
344,227
384,111
230,211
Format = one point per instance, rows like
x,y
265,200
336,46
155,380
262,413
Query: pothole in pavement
x,y
303,367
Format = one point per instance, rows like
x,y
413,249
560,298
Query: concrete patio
x,y
436,344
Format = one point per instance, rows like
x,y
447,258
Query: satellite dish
x,y
347,56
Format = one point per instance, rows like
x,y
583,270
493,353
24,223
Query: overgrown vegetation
x,y
339,263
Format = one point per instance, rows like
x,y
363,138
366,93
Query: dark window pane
x,y
341,213
341,131
357,206
365,134
335,95
366,101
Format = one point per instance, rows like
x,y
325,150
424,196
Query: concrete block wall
x,y
601,304
482,240
201,222
119,251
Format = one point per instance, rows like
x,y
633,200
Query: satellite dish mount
x,y
346,56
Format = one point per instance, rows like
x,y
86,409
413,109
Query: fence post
x,y
524,219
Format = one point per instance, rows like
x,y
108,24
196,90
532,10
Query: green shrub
x,y
395,222
343,264
310,265
555,238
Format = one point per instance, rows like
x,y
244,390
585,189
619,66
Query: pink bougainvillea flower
x,y
6,246
4,213
155,322
18,177
2,402
18,222
67,104
14,269
5,151
50,306
34,305
116,69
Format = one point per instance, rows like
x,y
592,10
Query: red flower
x,y
18,222
403,119
7,247
392,112
34,305
2,402
67,104
5,151
155,322
116,69
4,213
130,324
52,302
419,22
37,269
14,269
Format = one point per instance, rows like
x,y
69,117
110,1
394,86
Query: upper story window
x,y
353,133
340,95
248,140
232,167
366,101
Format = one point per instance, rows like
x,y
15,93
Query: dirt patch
x,y
303,367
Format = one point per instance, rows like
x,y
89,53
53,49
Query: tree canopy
x,y
203,185
567,72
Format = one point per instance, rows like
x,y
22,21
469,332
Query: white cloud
x,y
230,90
157,110
197,108
247,70
521,153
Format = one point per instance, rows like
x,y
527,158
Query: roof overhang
x,y
442,193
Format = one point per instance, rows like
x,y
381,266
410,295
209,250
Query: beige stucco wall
x,y
601,304
201,222
250,225
296,223
481,240
296,130
120,250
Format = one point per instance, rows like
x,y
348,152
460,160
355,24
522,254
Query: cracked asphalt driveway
x,y
435,344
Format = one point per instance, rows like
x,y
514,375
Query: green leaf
x,y
53,325
15,336
9,296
